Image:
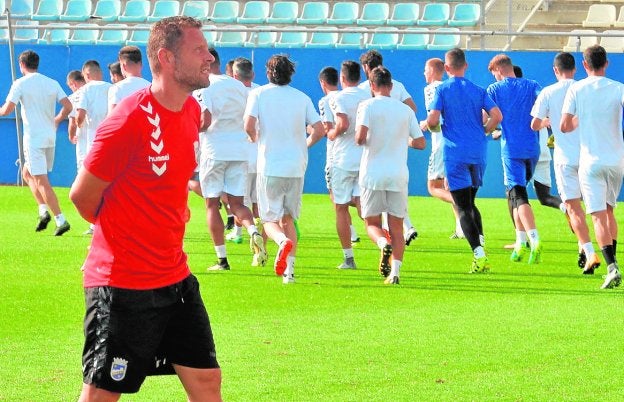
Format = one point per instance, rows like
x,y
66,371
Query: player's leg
x,y
373,204
211,175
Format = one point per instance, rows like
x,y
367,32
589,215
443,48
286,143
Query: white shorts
x,y
374,202
344,185
39,161
81,150
279,196
251,196
600,185
567,179
218,177
542,173
435,170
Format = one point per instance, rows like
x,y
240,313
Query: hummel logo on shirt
x,y
156,143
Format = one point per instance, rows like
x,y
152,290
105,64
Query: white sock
x,y
458,229
395,268
92,226
563,208
43,208
588,248
521,238
384,220
279,238
533,236
478,252
290,265
251,229
407,223
59,219
382,242
348,253
220,251
482,240
353,232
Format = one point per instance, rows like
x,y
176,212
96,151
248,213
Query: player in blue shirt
x,y
520,149
461,104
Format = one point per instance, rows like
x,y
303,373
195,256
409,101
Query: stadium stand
x,y
135,11
47,10
444,42
582,41
196,9
114,36
210,34
283,12
352,39
292,40
262,39
107,10
404,14
600,16
435,14
320,39
383,38
465,15
314,13
138,37
374,14
21,8
26,31
164,8
613,44
77,11
84,36
224,12
56,33
254,12
419,39
344,13
231,38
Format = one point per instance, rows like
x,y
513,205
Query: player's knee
x,y
518,196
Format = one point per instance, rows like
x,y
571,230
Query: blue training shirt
x,y
515,97
461,103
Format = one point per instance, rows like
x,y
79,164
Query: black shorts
x,y
130,334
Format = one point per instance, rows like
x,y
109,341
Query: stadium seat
x,y
584,42
600,16
444,42
254,12
374,14
4,32
47,10
210,34
56,33
265,38
77,11
138,37
465,15
314,12
284,12
613,44
404,14
292,40
135,11
21,8
114,36
224,11
419,39
231,38
344,13
320,39
164,8
107,10
383,38
84,36
435,14
26,31
195,9
620,20
352,39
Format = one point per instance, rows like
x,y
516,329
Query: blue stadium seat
x,y
196,9
262,39
135,11
210,34
292,40
320,39
344,13
435,14
465,15
56,33
164,8
383,38
349,40
21,8
254,12
84,36
26,31
444,42
107,10
314,12
4,32
77,10
404,14
284,12
47,10
231,38
224,11
419,39
374,14
114,36
138,37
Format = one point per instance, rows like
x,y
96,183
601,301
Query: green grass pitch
x,y
520,333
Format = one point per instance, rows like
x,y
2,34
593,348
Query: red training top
x,y
147,153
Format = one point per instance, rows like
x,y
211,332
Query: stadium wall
x,y
405,65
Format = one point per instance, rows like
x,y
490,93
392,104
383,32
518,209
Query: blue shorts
x,y
518,172
462,175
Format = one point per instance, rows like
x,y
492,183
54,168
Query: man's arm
x,y
569,123
417,143
86,194
538,124
72,128
341,126
316,134
81,116
7,108
360,134
205,120
496,116
410,102
433,118
65,111
250,128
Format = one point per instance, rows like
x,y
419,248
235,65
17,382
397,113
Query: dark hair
x,y
329,75
215,54
350,70
372,59
115,68
596,57
75,75
380,76
130,54
29,59
91,65
564,61
517,71
167,34
243,68
456,58
280,69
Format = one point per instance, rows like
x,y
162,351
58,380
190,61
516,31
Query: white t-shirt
x,y
94,101
346,154
384,160
124,88
597,102
548,104
398,90
283,113
38,95
74,98
252,146
327,117
225,139
436,136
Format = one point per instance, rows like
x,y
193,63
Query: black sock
x,y
608,254
614,247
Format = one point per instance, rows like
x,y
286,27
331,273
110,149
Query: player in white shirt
x,y
223,164
282,113
114,70
38,96
77,135
131,63
346,155
593,106
369,61
547,113
384,128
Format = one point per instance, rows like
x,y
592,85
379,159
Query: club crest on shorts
x,y
118,368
